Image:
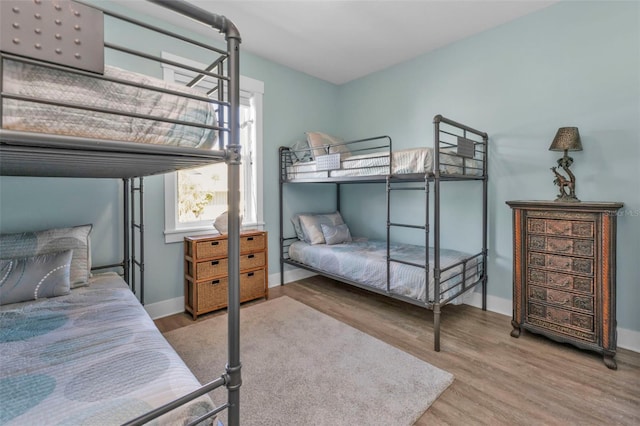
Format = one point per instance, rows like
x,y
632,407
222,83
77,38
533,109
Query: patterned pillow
x,y
27,244
320,141
336,234
36,277
310,224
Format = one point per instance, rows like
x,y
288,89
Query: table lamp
x,y
567,139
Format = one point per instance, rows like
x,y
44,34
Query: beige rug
x,y
302,367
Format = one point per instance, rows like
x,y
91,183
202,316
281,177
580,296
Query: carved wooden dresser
x,y
564,273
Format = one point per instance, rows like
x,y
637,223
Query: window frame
x,y
251,89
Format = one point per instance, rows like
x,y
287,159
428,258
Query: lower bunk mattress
x,y
406,161
365,262
92,357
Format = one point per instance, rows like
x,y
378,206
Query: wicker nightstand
x,y
205,271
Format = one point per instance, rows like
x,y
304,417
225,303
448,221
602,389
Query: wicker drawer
x,y
560,320
568,228
579,247
561,281
251,261
212,294
561,298
251,243
214,248
211,268
561,263
252,285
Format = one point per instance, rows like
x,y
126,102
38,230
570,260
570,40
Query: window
x,y
195,197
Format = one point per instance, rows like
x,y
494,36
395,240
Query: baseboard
x,y
165,307
289,276
627,339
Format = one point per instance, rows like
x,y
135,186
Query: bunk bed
x,y
423,275
79,347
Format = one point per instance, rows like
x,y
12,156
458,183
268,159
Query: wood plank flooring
x,y
499,380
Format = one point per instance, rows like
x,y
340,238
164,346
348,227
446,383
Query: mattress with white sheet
x,y
365,262
39,82
406,161
92,357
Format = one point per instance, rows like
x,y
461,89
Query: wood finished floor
x,y
499,380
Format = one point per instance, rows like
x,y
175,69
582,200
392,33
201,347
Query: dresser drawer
x,y
212,294
580,247
252,285
559,280
252,243
561,298
210,268
213,248
560,320
252,260
568,228
561,263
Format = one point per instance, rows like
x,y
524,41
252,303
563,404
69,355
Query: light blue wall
x,y
572,64
293,102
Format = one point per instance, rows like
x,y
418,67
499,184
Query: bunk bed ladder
x,y
402,186
136,227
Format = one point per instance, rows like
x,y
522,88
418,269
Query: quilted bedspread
x,y
39,82
365,263
93,357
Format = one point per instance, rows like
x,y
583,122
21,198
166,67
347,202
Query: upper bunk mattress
x,y
51,84
406,161
365,262
91,357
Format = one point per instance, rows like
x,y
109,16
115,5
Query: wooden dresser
x,y
206,270
564,273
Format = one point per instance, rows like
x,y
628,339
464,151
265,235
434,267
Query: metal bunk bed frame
x,y
49,155
425,180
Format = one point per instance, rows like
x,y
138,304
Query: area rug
x,y
302,367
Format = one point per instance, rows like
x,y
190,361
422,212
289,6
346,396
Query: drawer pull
x,y
215,262
250,274
215,243
215,282
249,238
251,256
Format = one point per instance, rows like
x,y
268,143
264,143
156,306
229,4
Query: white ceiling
x,y
339,41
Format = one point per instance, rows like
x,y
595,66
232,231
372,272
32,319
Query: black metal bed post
x,y
436,236
485,216
126,261
426,234
281,200
388,183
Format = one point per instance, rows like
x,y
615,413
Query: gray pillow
x,y
35,277
336,234
27,244
310,224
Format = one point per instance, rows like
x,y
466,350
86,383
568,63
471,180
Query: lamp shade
x,y
567,138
